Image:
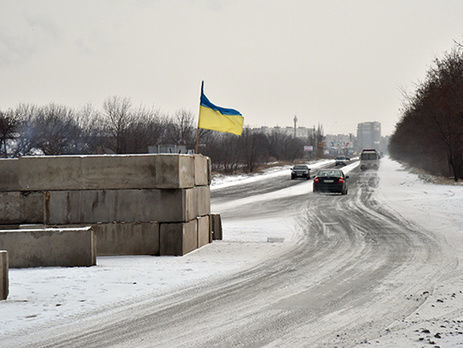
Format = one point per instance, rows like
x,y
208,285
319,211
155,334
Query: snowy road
x,y
354,268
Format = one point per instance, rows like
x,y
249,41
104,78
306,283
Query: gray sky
x,y
331,62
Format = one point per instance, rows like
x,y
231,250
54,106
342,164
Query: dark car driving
x,y
330,180
300,171
341,161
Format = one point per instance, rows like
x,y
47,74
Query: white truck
x,y
369,159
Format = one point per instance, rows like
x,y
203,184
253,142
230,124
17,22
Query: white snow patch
x,y
222,181
438,209
41,296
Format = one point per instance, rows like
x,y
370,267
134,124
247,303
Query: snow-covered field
x,y
437,209
44,295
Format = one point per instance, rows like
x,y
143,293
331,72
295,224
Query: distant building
x,y
301,132
368,135
339,144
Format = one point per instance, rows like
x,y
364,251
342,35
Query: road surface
x,y
356,269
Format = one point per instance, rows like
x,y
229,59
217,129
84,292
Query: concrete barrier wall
x,y
4,286
202,170
9,180
178,239
101,172
21,207
204,231
124,197
93,206
127,238
49,247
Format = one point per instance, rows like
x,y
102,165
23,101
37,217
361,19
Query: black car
x,y
330,180
300,171
341,161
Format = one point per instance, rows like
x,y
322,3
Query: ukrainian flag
x,y
219,119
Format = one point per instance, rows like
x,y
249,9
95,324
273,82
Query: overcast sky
x,y
331,62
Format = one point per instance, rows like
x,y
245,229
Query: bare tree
x,y
181,129
146,129
430,133
26,114
118,119
56,131
9,124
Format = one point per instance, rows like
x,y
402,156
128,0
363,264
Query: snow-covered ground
x,y
43,295
437,209
40,295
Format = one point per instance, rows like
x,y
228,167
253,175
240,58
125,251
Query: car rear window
x,y
300,167
369,156
336,173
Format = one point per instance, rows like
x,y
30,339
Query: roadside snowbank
x,y
220,181
439,210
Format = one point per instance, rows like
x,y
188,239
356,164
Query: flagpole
x,y
197,141
197,129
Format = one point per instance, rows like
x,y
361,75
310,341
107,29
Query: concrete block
x,y
138,171
201,170
54,173
216,224
9,179
21,207
203,230
4,287
32,207
94,206
197,202
178,239
209,171
42,173
65,247
127,238
10,207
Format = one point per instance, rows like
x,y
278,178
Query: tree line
x,y
429,134
121,127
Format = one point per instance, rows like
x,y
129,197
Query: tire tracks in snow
x,y
341,284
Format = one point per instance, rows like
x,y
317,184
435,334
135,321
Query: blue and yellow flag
x,y
219,119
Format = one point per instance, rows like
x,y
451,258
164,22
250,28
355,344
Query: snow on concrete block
x,y
139,238
178,239
203,230
4,287
216,226
9,180
67,247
